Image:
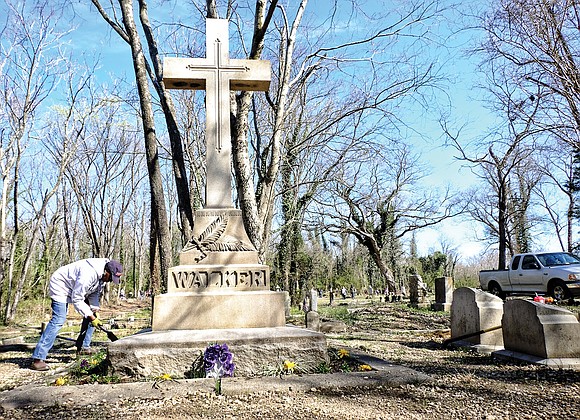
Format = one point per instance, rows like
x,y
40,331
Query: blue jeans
x,y
46,341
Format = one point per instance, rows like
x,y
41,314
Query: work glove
x,y
96,322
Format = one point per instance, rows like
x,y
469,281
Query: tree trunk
x,y
30,247
501,226
177,157
257,204
385,272
155,179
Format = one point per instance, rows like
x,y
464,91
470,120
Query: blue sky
x,y
459,98
464,109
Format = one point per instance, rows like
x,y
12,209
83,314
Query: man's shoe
x,y
87,351
39,365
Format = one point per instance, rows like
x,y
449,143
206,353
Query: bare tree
x,y
296,64
375,202
498,207
138,213
536,43
319,117
152,68
189,107
105,173
126,28
30,68
312,154
259,133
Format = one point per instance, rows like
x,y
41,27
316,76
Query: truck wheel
x,y
558,290
494,289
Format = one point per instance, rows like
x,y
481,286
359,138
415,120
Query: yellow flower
x,y
165,377
342,353
60,381
289,366
363,368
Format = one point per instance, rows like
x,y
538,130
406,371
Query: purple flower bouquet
x,y
217,363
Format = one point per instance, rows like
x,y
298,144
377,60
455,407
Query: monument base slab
x,y
571,363
212,310
420,305
441,307
257,351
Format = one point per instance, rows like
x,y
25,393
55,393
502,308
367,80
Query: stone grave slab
x,y
541,330
474,310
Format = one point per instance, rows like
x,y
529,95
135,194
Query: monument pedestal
x,y
257,351
418,293
218,294
211,310
443,294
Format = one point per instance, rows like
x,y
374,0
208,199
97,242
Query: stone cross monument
x,y
219,282
219,292
217,74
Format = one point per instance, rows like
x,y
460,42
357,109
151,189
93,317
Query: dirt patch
x,y
124,318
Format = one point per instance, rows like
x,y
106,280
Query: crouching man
x,y
81,284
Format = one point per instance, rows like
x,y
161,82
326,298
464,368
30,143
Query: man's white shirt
x,y
79,281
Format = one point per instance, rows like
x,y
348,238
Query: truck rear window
x,y
516,262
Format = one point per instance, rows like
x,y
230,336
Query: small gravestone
x,y
313,300
312,316
287,304
417,292
313,321
472,311
443,294
333,327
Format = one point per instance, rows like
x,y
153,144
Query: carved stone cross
x,y
218,75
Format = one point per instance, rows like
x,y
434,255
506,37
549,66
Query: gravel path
x,y
462,384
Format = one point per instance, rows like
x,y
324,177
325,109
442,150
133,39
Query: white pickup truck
x,y
554,273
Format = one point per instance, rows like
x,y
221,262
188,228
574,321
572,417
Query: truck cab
x,y
527,276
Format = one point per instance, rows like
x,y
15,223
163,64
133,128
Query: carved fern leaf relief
x,y
212,239
213,232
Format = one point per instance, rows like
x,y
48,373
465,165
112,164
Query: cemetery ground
x,y
460,384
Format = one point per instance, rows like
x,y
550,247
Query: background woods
x,y
334,167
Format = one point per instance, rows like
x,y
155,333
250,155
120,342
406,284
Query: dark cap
x,y
116,269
